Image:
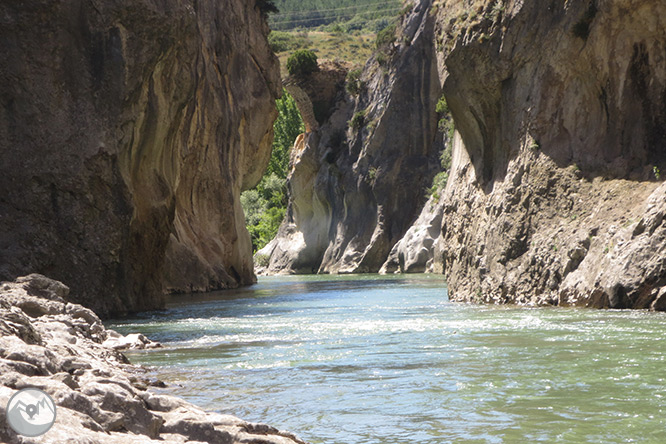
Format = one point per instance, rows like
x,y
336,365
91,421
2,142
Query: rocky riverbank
x,y
63,349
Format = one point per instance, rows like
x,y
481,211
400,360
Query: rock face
x,y
414,253
358,178
58,347
555,194
128,129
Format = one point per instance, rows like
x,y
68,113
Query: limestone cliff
x,y
556,192
127,131
359,176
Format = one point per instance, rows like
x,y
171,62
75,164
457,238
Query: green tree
x,y
302,62
264,208
287,127
265,205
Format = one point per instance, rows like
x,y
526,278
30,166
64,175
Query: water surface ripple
x,y
376,359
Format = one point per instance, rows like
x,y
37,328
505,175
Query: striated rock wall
x,y
415,252
61,348
556,192
127,131
358,179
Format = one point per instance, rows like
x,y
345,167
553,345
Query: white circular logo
x,y
31,412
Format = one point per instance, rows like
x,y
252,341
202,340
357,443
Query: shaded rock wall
x,y
354,190
555,194
127,131
415,252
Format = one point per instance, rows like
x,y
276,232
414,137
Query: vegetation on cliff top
x,y
337,30
264,206
346,15
355,48
302,62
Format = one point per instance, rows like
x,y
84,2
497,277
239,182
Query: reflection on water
x,y
375,359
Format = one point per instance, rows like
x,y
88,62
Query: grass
x,y
358,120
327,45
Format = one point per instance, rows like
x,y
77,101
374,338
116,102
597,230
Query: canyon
x,y
128,130
129,133
554,193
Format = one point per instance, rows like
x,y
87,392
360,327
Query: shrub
x,y
264,209
354,83
266,7
358,120
438,183
380,24
442,107
302,63
262,260
267,227
336,28
440,180
445,124
356,24
445,158
283,41
287,127
386,36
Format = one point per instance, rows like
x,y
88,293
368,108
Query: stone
x,y
117,177
100,397
559,140
356,188
132,341
415,251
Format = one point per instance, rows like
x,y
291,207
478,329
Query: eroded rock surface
x,y
555,194
60,348
128,129
359,177
414,253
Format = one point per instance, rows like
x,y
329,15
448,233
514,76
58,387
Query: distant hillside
x,y
352,15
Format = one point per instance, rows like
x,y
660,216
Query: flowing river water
x,y
388,359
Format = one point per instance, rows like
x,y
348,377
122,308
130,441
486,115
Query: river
x,y
388,359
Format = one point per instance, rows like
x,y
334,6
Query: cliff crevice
x,y
358,182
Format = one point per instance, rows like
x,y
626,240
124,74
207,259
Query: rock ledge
x,y
64,349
